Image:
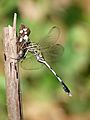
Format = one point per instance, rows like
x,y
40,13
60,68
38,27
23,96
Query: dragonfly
x,y
25,46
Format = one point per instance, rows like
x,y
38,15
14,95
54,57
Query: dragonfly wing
x,y
50,39
30,63
54,53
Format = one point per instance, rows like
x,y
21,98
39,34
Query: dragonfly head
x,y
24,30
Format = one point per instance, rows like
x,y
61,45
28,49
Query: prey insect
x,y
25,46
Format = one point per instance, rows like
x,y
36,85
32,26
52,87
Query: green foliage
x,y
2,98
72,15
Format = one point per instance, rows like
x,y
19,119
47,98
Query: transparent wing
x,y
30,63
54,53
50,39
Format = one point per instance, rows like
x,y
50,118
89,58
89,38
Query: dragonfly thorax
x,y
35,49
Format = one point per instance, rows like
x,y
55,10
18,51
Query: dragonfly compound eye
x,y
24,30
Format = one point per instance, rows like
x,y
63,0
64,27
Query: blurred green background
x,y
42,95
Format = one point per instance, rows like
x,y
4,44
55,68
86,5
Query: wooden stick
x,y
12,73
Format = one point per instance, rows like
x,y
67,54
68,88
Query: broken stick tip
x,y
14,20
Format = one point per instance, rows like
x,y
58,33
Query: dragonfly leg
x,y
24,55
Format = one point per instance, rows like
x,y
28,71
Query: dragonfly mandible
x,y
25,46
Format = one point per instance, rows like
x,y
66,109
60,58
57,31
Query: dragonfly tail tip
x,y
70,94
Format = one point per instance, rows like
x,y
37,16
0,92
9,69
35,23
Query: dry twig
x,y
12,73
